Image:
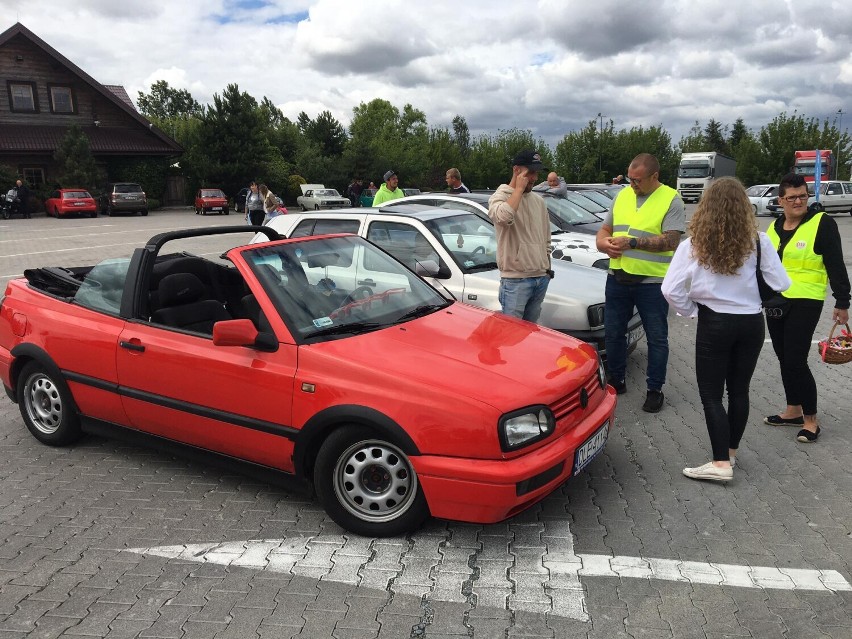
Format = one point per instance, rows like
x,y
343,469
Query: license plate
x,y
79,204
590,448
216,208
635,335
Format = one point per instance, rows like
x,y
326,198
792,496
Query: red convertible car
x,y
211,201
322,357
70,201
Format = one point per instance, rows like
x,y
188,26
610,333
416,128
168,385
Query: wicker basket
x,y
836,350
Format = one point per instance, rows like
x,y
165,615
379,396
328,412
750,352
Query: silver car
x,y
759,195
455,251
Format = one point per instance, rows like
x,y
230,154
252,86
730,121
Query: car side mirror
x,y
242,332
431,268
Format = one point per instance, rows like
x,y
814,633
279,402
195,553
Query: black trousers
x,y
791,339
256,217
726,350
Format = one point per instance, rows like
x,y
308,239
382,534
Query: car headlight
x,y
596,315
523,427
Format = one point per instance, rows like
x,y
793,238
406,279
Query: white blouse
x,y
688,283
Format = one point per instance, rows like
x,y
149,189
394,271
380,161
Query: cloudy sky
x,y
550,66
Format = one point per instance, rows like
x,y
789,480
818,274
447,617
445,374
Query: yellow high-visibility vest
x,y
646,221
805,268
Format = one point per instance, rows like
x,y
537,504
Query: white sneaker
x,y
733,461
709,471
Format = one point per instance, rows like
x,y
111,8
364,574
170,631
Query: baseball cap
x,y
529,158
389,175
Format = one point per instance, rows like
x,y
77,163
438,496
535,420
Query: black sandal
x,y
777,420
807,437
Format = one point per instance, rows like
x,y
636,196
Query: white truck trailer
x,y
698,170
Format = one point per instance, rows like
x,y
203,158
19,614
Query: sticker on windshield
x,y
469,263
322,322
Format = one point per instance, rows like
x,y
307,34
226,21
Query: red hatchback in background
x,y
211,201
74,201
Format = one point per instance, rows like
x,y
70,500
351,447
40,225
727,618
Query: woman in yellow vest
x,y
810,249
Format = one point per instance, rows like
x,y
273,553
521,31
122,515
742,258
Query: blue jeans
x,y
522,297
654,310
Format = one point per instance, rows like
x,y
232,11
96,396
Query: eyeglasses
x,y
796,198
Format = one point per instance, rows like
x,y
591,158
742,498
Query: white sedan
x,y
568,246
316,197
759,195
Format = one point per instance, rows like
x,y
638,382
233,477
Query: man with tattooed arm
x,y
640,236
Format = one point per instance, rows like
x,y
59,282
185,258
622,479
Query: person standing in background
x,y
453,178
522,227
713,275
254,205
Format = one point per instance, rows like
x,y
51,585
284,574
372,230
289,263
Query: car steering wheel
x,y
360,293
478,249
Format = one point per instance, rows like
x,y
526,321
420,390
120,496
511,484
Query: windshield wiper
x,y
485,266
421,310
345,329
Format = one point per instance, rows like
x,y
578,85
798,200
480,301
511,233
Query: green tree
x,y
694,141
739,132
461,135
714,133
234,136
164,102
75,163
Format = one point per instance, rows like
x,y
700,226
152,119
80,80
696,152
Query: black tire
x,y
227,212
47,406
109,210
351,459
93,214
143,212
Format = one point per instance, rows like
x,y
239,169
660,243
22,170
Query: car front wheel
x,y
47,407
368,485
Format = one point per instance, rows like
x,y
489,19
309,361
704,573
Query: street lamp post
x,y
839,136
600,143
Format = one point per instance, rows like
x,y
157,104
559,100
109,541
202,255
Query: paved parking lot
x,y
108,540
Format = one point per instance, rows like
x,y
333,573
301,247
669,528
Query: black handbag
x,y
775,305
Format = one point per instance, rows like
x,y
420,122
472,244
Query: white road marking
x,y
318,557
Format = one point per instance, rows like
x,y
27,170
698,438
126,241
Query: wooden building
x,y
43,93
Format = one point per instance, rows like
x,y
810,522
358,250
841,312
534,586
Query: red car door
x,y
232,400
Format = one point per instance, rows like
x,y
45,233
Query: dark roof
x,y
117,95
121,93
102,140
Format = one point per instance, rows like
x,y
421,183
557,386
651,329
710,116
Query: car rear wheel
x,y
368,485
47,407
754,208
93,214
143,212
227,212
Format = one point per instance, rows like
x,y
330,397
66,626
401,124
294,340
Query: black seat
x,y
183,304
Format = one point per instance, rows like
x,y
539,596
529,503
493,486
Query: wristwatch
x,y
632,243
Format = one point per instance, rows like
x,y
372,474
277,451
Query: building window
x,y
22,97
33,176
61,99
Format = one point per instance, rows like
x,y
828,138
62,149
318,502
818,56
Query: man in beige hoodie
x,y
523,239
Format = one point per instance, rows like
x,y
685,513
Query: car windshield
x,y
584,202
597,197
129,188
469,239
693,169
568,212
212,193
336,287
74,195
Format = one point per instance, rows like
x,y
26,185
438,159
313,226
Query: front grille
x,y
571,402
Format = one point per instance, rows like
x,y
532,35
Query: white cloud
x,y
549,66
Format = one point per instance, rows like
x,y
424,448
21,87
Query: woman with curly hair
x,y
713,275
